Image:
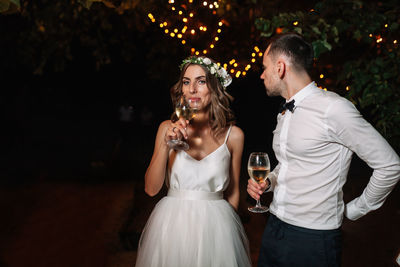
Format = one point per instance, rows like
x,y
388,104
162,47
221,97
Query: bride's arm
x,y
155,173
235,143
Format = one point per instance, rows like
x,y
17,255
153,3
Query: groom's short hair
x,y
295,47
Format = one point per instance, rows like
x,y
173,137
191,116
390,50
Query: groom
x,y
316,134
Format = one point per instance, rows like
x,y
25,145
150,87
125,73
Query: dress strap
x,y
227,134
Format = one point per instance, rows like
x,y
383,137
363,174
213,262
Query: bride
x,y
196,224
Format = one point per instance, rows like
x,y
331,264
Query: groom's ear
x,y
281,67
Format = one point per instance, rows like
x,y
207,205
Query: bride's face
x,y
194,86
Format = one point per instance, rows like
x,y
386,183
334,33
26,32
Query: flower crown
x,y
219,72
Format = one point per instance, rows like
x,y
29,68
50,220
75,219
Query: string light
x,y
188,32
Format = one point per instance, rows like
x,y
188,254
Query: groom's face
x,y
270,75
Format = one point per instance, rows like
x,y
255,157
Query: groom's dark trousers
x,y
285,245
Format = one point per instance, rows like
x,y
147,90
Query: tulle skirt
x,y
189,233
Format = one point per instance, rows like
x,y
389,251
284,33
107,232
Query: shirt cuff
x,y
354,210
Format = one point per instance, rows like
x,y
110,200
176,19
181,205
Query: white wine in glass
x,y
187,110
258,167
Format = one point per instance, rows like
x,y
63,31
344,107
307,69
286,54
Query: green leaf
x,y
9,6
315,29
394,26
298,30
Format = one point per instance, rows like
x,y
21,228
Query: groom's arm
x,y
349,128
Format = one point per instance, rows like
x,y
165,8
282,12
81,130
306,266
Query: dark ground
x,y
68,201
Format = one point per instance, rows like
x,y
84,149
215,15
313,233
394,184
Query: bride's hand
x,y
177,130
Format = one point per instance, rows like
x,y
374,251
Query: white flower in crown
x,y
207,61
227,79
221,72
213,70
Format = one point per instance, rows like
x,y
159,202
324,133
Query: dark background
x,y
67,170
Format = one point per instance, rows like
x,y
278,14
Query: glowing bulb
x,y
211,46
386,25
197,53
211,6
237,74
395,41
161,25
216,38
191,15
235,65
172,34
253,60
257,49
219,30
185,20
347,88
321,76
370,35
192,31
180,12
260,54
295,23
205,3
173,8
179,35
166,31
175,30
232,70
253,54
183,42
204,51
220,23
165,23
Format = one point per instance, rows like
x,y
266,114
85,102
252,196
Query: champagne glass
x,y
258,167
187,110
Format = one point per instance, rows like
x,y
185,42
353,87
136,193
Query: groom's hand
x,y
255,189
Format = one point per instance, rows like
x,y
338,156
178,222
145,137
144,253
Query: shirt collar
x,y
303,93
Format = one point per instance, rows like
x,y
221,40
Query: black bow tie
x,y
287,105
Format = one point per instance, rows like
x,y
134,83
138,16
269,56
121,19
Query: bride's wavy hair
x,y
220,113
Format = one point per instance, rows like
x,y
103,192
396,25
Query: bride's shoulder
x,y
236,134
164,126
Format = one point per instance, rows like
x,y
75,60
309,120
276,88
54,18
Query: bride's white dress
x,y
193,226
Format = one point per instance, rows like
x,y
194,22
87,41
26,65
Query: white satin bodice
x,y
210,174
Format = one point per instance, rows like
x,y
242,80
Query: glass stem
x,y
258,205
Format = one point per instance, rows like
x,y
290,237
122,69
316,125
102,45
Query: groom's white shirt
x,y
314,147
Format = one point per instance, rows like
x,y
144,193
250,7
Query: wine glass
x,y
187,110
258,167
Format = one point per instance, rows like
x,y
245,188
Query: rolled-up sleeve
x,y
349,128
